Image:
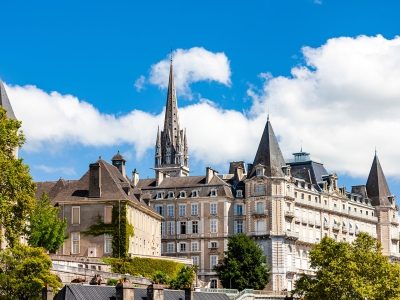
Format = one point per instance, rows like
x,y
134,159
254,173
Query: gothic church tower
x,y
171,155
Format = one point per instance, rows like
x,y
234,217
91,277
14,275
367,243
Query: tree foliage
x,y
24,271
17,191
350,271
160,277
44,228
184,279
120,229
244,265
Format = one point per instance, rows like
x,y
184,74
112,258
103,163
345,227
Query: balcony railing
x,y
304,220
259,233
326,225
291,235
289,213
259,213
318,223
336,226
311,222
306,240
344,228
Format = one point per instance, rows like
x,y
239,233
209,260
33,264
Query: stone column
x,y
125,291
155,292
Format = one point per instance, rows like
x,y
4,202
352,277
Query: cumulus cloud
x,y
139,83
342,102
193,65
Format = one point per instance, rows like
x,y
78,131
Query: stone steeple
x,y
171,156
5,102
269,154
377,187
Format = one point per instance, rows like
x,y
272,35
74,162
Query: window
x,y
75,243
195,260
239,193
295,194
107,214
302,196
170,210
309,197
326,202
355,209
238,226
195,227
260,189
239,209
213,261
195,193
260,207
316,199
259,172
162,228
360,211
182,210
213,208
171,227
159,195
160,210
107,243
334,204
344,206
194,209
213,283
213,193
76,215
170,247
213,226
182,247
288,225
170,194
366,212
183,227
195,246
182,194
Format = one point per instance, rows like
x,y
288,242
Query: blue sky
x,y
87,79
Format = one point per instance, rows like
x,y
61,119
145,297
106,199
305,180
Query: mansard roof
x,y
113,188
5,102
377,187
310,171
269,154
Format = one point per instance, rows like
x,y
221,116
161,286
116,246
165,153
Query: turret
x,y
119,162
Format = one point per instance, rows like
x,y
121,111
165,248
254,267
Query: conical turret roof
x,y
5,102
377,187
269,154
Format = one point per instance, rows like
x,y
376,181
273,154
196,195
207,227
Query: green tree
x,y
244,265
24,271
184,279
44,228
17,191
350,271
160,277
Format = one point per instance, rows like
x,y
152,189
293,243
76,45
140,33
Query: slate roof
x,y
269,154
113,187
377,187
96,292
188,184
5,102
118,156
310,171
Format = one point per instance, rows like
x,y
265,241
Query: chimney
x,y
125,291
189,294
159,177
94,180
135,177
209,174
155,292
47,293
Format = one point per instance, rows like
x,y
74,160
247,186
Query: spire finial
x,y
375,150
301,145
171,53
268,116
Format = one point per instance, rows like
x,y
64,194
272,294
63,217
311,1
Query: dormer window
x,y
260,171
213,193
182,194
170,194
195,193
239,193
159,195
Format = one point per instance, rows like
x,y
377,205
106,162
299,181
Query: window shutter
x,y
178,247
178,227
209,244
244,227
189,227
235,227
199,228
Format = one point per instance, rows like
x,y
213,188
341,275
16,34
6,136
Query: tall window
x,y
260,207
182,247
183,227
170,247
239,209
238,226
195,260
195,246
107,214
213,226
170,210
195,226
213,208
194,209
107,243
182,210
162,228
76,215
213,261
160,210
75,243
171,227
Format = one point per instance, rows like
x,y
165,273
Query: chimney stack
x,y
94,180
209,174
125,291
189,294
155,292
135,178
159,177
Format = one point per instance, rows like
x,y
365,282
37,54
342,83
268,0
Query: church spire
x,y
5,102
377,187
269,154
172,137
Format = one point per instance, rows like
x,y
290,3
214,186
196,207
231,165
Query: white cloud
x,y
193,65
64,170
342,103
139,83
